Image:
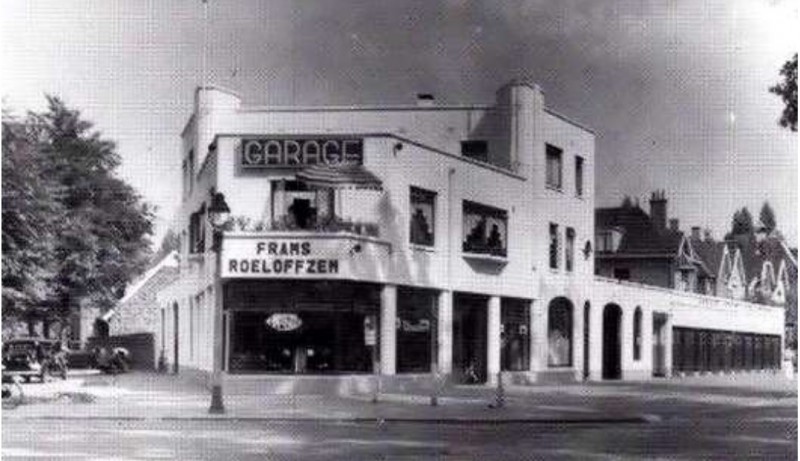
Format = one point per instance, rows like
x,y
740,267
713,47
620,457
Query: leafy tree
x,y
767,218
742,225
787,90
30,221
101,238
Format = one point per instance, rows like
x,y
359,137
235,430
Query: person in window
x,y
495,241
420,230
477,236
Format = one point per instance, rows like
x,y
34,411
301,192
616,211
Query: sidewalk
x,y
166,397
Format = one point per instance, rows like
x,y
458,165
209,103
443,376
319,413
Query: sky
x,y
676,90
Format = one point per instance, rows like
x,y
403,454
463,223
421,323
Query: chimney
x,y
695,232
674,225
425,100
658,210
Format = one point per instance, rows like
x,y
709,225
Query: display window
x,y
416,330
515,334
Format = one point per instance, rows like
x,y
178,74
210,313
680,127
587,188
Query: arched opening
x,y
559,333
612,342
101,330
586,331
637,334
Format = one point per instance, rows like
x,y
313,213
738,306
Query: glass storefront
x,y
515,339
302,327
416,330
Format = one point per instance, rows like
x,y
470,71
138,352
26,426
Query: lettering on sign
x,y
269,258
287,153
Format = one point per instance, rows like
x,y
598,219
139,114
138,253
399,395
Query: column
x,y
668,347
626,356
538,337
445,330
596,342
493,339
388,357
577,340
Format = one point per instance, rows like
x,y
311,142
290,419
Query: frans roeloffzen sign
x,y
293,258
280,152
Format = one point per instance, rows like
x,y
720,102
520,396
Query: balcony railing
x,y
326,224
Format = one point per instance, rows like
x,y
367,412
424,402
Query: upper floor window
x,y
197,231
475,149
297,206
423,208
485,229
579,176
569,250
554,167
553,246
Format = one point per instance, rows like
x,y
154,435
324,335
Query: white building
x,y
408,239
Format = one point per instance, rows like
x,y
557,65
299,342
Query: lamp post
x,y
218,213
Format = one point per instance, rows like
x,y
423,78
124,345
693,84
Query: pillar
x,y
538,336
388,357
626,330
493,339
445,332
668,347
596,342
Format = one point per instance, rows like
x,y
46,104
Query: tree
x,y
742,222
30,222
767,218
100,240
787,90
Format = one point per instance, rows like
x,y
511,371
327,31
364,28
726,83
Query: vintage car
x,y
33,358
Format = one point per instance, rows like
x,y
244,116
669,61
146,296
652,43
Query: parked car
x,y
33,358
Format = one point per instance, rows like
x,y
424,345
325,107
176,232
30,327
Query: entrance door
x,y
612,342
469,339
175,339
659,345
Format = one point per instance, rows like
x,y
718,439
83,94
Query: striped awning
x,y
340,177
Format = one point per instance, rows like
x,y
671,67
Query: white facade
x,y
421,147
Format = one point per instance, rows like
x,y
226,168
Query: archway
x,y
612,342
587,307
559,333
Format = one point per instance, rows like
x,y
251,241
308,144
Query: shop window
x,y
423,218
416,327
554,167
553,246
579,176
569,254
476,150
485,229
515,340
559,333
297,206
637,334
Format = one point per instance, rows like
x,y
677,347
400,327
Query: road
x,y
765,433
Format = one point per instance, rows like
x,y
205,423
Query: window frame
x,y
579,163
557,153
469,207
553,251
569,249
418,192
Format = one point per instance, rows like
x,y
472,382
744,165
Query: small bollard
x,y
500,392
435,389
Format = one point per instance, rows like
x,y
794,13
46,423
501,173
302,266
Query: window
x,y
637,334
515,321
554,155
605,242
190,169
485,229
559,333
622,274
297,206
416,330
553,246
476,150
197,231
579,176
423,218
569,254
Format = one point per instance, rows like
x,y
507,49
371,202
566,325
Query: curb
x,y
642,419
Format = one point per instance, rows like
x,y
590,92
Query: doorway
x,y
175,338
586,331
612,342
469,338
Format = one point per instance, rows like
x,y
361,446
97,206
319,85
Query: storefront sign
x,y
284,322
267,258
410,326
287,153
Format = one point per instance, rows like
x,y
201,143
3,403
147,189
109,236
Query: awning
x,y
340,177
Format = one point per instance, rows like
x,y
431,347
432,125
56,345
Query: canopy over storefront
x,y
339,177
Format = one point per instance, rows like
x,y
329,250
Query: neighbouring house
x,y
639,247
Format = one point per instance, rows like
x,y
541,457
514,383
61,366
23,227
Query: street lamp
x,y
218,212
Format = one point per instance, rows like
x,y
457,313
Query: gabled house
x,y
634,245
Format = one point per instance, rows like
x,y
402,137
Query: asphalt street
x,y
730,433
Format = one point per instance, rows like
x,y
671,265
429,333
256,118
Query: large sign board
x,y
266,258
281,152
